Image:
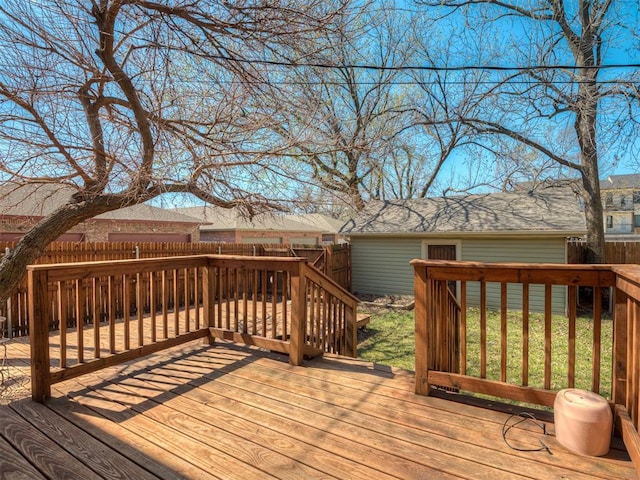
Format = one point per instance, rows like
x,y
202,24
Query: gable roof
x,y
40,200
544,212
323,223
631,180
217,218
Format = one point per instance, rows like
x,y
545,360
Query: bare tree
x,y
561,48
350,115
126,100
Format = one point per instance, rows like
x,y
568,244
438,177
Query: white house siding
x,y
380,265
527,250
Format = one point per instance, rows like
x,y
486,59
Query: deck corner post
x,y
351,330
420,286
620,339
298,314
39,314
208,298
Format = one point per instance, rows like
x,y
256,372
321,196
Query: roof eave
x,y
502,233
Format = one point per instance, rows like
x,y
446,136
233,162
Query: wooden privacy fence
x,y
614,252
112,312
443,335
335,264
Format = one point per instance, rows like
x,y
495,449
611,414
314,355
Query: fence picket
x,y
338,267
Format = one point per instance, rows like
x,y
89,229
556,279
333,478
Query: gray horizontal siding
x,y
528,250
534,250
380,266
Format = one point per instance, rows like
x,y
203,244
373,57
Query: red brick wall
x,y
218,236
239,236
98,230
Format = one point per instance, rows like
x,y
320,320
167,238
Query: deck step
x,y
363,319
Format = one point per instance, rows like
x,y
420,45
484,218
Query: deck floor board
x,y
232,412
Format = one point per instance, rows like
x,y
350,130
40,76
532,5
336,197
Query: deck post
x,y
209,298
420,283
39,314
351,330
620,360
298,314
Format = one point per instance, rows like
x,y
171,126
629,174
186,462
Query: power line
x,y
427,68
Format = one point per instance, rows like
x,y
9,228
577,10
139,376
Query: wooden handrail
x,y
110,312
435,273
341,321
434,321
320,278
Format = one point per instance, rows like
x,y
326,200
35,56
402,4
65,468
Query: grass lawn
x,y
389,340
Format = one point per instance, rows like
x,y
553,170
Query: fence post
x,y
38,281
298,314
620,329
422,347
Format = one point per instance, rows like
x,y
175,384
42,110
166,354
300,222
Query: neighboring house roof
x,y
324,223
573,183
218,218
548,211
143,212
39,200
631,180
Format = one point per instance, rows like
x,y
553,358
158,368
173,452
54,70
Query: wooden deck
x,y
226,411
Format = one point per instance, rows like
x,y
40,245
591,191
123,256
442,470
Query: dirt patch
x,y
376,303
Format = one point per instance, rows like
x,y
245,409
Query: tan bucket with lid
x,y
583,421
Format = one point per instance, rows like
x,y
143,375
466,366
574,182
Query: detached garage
x,y
496,227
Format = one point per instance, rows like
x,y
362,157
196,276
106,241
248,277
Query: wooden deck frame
x,y
167,293
434,319
231,411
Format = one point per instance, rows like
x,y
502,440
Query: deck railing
x,y
514,291
87,316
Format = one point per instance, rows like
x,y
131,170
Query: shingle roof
x,y
321,222
546,211
39,200
231,219
631,180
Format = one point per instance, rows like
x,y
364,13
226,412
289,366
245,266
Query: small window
x,y
636,220
609,221
609,199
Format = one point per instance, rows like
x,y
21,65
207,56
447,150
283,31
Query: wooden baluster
x,y
126,305
547,337
483,330
96,317
111,301
165,305
209,285
176,302
463,327
597,335
152,305
573,302
62,316
525,334
503,332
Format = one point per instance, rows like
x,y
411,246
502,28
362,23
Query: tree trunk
x,y
30,247
586,130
